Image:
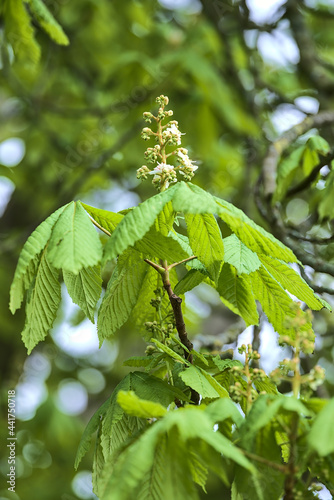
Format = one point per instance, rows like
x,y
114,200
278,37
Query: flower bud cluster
x,y
167,135
243,388
303,342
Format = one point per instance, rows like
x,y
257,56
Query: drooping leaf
x,y
122,293
29,258
253,236
236,293
191,199
46,20
174,355
275,302
159,246
153,484
90,429
136,223
74,242
291,281
321,436
202,382
136,407
206,241
189,281
240,256
42,303
20,33
85,288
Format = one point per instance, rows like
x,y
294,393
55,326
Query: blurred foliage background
x,y
238,73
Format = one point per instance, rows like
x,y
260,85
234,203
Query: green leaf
x,y
274,300
29,258
133,405
20,33
223,409
236,293
139,361
191,199
285,172
321,436
153,486
136,224
240,256
85,288
155,244
46,20
202,382
174,355
90,429
253,236
291,281
74,242
42,303
122,294
206,241
189,281
107,220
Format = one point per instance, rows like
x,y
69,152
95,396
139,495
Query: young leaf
x,y
29,258
206,241
133,405
253,236
240,256
291,281
85,288
91,427
42,304
236,293
74,242
202,382
46,20
169,351
122,294
136,223
153,484
155,244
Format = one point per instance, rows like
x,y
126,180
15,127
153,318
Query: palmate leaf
x,y
46,20
206,241
236,293
159,246
85,288
240,256
29,258
122,293
74,242
275,302
136,462
191,199
291,281
42,303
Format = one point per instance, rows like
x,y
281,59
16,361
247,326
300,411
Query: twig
x,y
257,458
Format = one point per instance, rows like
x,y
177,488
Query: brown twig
x,y
176,302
